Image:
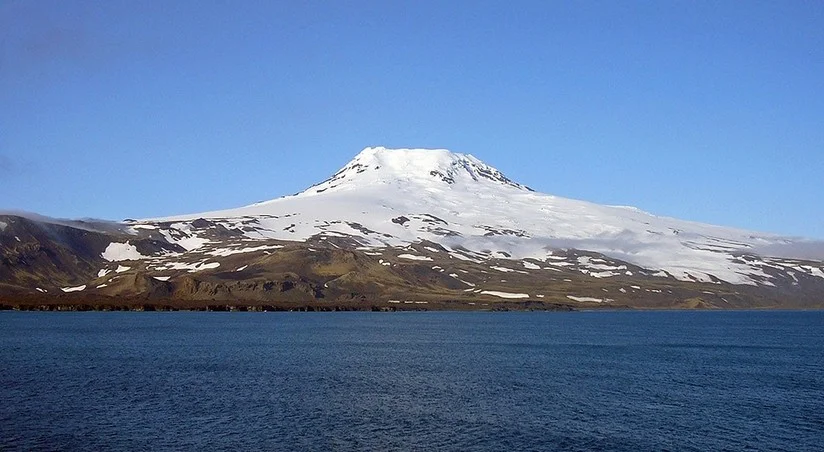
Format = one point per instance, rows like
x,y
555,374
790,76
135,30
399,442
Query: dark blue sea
x,y
412,381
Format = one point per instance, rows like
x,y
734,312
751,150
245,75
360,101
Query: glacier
x,y
397,197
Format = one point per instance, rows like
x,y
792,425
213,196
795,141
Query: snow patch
x,y
589,299
192,243
455,275
117,252
605,274
815,271
464,257
507,270
193,267
185,238
414,257
73,289
228,251
504,294
556,258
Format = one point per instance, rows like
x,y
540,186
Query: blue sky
x,y
708,111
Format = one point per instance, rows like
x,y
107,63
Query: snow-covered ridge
x,y
392,198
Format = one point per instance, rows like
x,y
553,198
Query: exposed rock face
x,y
34,252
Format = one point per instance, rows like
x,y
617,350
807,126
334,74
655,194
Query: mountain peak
x,y
397,155
423,166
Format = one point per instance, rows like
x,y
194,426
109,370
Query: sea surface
x,y
412,381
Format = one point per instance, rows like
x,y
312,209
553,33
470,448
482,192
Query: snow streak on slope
x,y
389,197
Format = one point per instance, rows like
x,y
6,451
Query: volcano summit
x,y
404,228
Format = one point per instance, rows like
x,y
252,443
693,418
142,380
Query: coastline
x,y
137,305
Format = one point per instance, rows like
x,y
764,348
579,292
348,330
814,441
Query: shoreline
x,y
361,307
282,307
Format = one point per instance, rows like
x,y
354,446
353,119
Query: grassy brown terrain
x,y
39,263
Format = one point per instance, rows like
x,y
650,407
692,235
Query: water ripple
x,y
412,381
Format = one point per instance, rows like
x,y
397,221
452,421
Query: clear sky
x,y
710,111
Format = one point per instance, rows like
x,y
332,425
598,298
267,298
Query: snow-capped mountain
x,y
418,226
395,197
